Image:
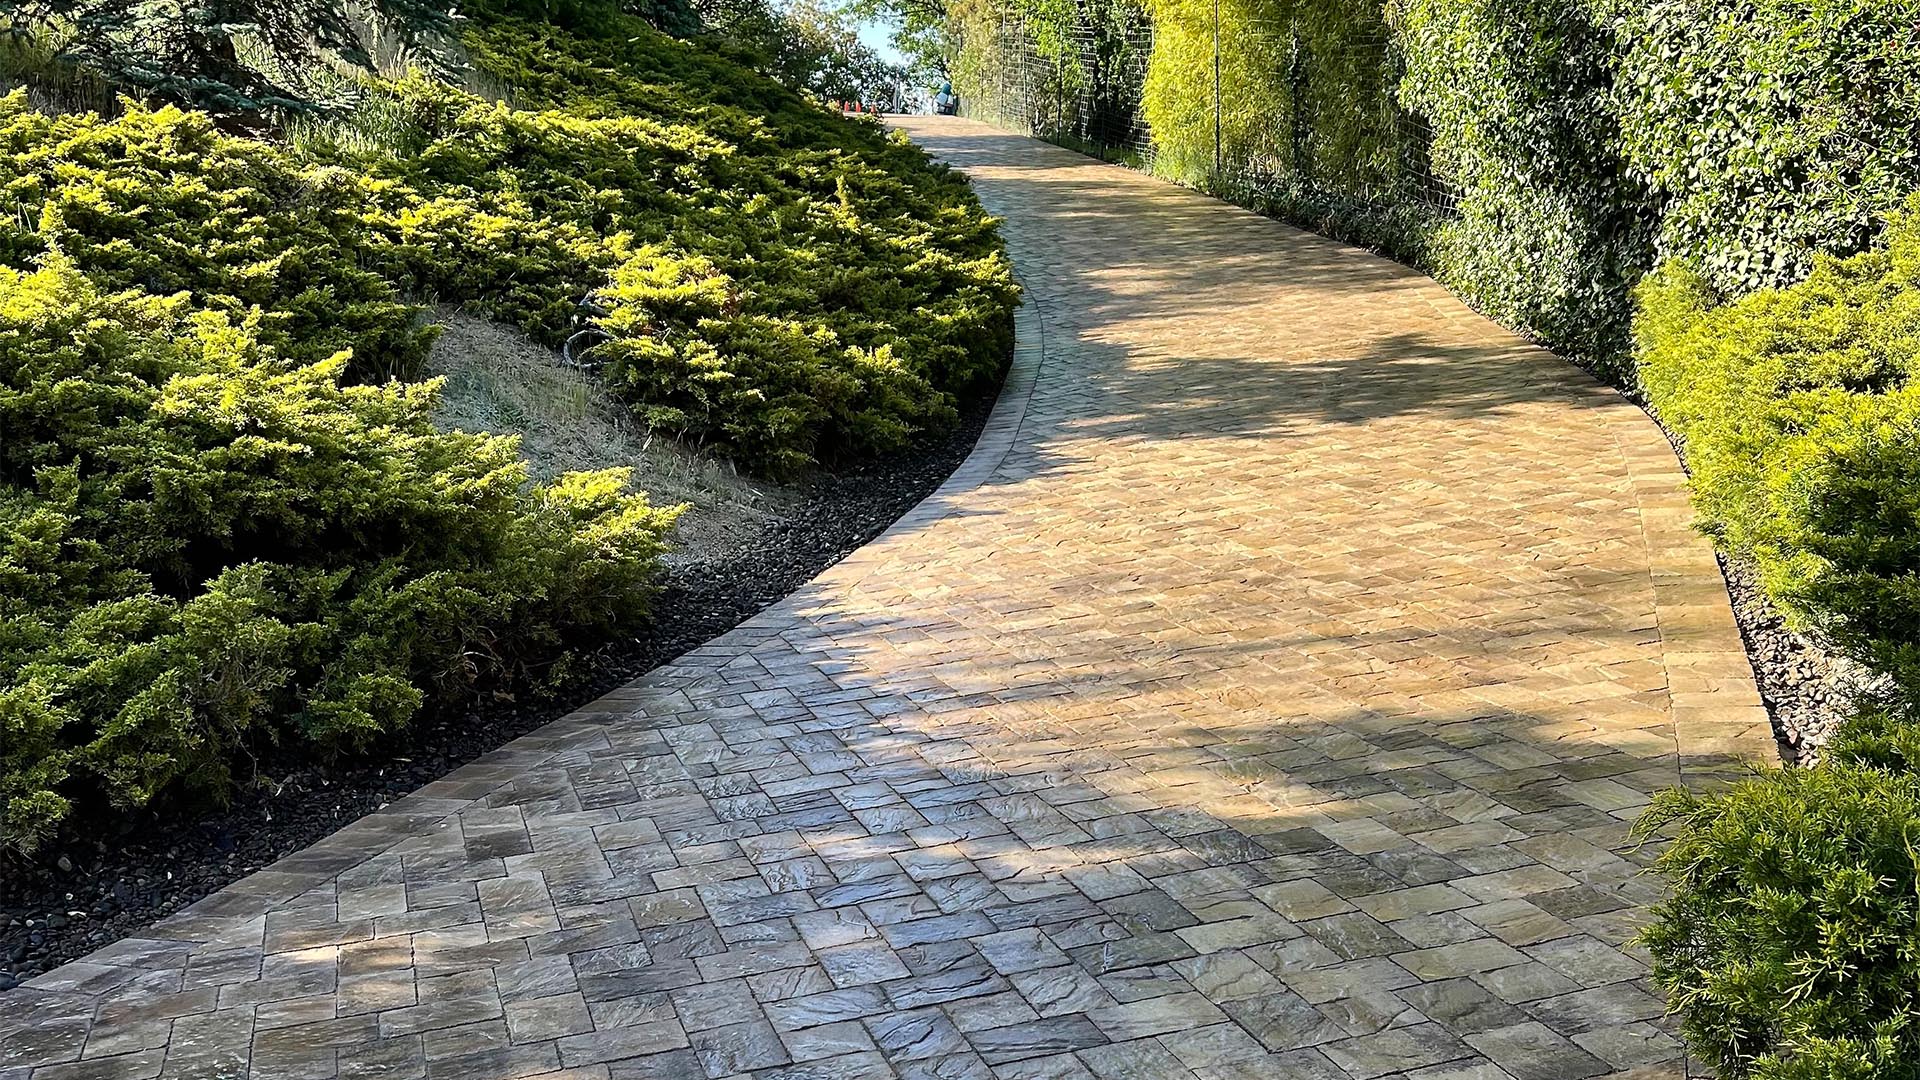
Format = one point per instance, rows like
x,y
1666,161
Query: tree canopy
x,y
235,58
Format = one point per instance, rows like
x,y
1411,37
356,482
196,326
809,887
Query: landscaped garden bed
x,y
112,880
250,550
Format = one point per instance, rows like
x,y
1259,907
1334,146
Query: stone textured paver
x,y
1266,697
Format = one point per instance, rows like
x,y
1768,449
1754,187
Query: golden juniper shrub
x,y
1801,412
224,514
202,542
163,202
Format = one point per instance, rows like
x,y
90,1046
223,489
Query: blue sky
x,y
875,36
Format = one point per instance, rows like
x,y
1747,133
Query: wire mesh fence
x,y
1083,91
1263,120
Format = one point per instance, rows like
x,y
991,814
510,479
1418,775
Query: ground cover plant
x,y
1800,408
199,538
1793,936
226,518
774,281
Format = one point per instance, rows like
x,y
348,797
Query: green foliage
x,y
1178,99
778,282
1770,130
225,517
164,202
1801,412
807,45
203,542
1536,155
1793,936
236,59
1549,231
921,31
863,288
1791,939
1306,93
596,18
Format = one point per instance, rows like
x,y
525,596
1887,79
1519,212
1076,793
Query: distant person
x,y
945,102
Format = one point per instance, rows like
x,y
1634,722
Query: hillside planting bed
x,y
133,870
298,509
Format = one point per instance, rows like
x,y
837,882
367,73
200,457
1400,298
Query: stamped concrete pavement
x,y
1266,697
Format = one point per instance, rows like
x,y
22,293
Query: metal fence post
x,y
1217,163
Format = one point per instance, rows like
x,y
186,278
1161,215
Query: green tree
x,y
922,32
236,59
808,45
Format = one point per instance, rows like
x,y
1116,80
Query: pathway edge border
x,y
989,451
1721,727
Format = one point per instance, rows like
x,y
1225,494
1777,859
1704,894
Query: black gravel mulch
x,y
110,879
1808,689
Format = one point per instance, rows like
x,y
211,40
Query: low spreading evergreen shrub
x,y
785,284
1791,939
161,201
225,517
203,542
1800,408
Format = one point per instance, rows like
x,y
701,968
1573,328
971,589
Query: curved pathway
x,y
1266,697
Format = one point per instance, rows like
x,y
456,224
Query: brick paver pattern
x,y
1267,697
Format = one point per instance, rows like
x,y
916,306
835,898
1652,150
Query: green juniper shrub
x,y
162,201
777,282
203,543
866,292
1801,413
1791,939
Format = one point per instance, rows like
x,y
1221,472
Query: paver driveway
x,y
1265,698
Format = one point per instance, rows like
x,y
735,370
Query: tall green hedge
x,y
1540,155
1770,131
1549,228
1306,90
